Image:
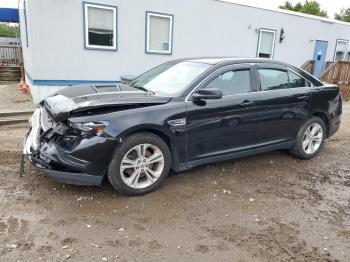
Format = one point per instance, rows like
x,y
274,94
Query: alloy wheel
x,y
312,138
142,166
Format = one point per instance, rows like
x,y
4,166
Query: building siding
x,y
201,28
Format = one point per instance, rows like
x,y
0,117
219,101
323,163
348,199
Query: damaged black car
x,y
179,115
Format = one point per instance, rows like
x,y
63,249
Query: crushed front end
x,y
70,152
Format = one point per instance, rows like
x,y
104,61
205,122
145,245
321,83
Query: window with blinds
x,y
100,27
159,33
341,51
266,43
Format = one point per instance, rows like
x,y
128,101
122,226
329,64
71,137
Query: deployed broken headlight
x,y
94,127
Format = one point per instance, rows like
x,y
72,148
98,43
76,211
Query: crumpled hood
x,y
84,97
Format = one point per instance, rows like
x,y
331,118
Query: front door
x,y
216,128
320,53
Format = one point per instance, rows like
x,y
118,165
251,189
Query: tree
x,y
344,15
289,6
309,7
7,30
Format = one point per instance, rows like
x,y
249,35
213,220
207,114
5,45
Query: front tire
x,y
310,139
140,164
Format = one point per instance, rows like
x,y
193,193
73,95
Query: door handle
x,y
247,103
303,98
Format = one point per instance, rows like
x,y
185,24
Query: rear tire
x,y
140,164
310,139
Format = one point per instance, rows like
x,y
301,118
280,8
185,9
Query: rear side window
x,y
273,79
232,82
297,81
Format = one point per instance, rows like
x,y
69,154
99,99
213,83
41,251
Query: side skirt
x,y
240,154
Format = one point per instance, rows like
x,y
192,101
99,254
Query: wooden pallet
x,y
10,73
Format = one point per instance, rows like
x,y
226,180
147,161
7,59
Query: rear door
x,y
220,127
285,98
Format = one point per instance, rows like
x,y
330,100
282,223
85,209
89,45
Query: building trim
x,y
171,33
85,24
49,82
25,22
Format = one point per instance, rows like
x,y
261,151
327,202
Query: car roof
x,y
225,61
233,60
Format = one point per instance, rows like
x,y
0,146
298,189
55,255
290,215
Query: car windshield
x,y
170,79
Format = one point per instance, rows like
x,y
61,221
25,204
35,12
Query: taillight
x,y
341,92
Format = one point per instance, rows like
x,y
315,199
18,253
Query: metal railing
x,y
10,55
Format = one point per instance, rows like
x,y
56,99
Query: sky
x,y
332,6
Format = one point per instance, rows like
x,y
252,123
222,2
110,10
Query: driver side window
x,y
232,82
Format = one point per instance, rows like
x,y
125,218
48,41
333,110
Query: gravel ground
x,y
12,100
270,207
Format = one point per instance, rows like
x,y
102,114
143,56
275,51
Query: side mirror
x,y
127,79
207,93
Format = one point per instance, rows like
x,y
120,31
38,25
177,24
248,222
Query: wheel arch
x,y
159,131
325,119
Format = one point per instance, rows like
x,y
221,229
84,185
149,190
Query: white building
x,y
73,42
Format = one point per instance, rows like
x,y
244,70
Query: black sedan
x,y
179,115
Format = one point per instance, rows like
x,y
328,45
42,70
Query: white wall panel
x,y
201,28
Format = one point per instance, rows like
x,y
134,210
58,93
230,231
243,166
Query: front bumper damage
x,y
66,157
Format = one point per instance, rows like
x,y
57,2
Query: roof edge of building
x,y
282,11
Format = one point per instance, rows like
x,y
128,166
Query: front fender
x,y
153,119
175,139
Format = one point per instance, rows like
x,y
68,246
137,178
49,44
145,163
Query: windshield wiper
x,y
143,89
